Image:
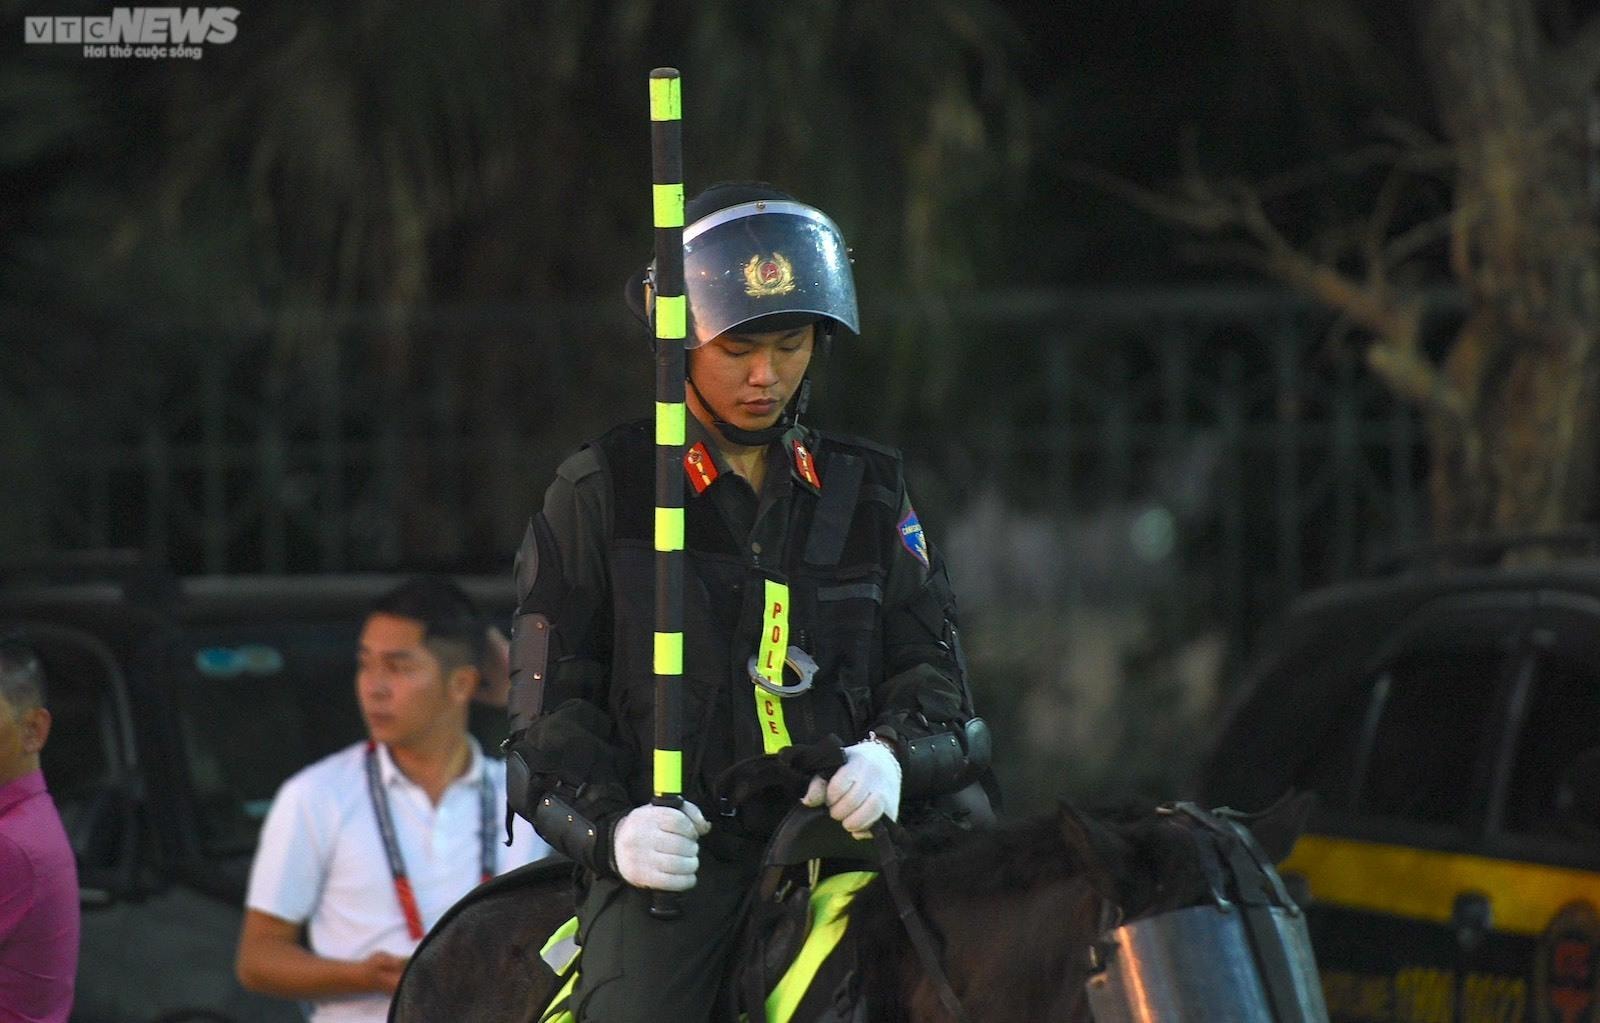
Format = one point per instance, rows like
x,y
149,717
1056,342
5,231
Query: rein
x,y
786,774
911,920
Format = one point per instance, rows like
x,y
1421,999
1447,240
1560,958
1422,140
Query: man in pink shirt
x,y
38,878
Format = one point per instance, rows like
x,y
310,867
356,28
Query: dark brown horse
x,y
1015,912
480,963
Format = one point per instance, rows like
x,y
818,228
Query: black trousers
x,y
637,969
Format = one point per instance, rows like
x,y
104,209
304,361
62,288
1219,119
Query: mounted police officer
x,y
781,522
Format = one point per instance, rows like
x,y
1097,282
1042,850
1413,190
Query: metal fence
x,y
1242,451
1224,446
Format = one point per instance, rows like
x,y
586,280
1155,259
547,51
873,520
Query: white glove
x,y
658,847
866,788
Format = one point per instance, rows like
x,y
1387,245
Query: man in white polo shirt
x,y
364,850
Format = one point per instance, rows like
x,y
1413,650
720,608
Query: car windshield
x,y
255,704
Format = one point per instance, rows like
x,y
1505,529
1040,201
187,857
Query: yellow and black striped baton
x,y
670,320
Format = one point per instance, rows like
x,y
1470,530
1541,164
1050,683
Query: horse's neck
x,y
1019,911
1019,955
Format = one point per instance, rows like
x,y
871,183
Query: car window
x,y
1562,720
79,755
86,752
1557,739
1408,743
1432,703
256,704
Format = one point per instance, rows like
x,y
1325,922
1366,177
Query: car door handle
x,y
1471,918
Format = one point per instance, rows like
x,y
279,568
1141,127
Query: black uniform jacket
x,y
869,603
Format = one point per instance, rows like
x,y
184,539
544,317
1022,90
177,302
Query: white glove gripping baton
x,y
670,318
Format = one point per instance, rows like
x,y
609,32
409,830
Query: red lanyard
x,y
391,842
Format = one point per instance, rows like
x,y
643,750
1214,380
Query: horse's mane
x,y
1127,852
1030,896
1017,854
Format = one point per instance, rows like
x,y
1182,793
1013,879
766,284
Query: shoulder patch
x,y
912,538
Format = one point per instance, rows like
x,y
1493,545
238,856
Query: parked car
x,y
1449,719
179,706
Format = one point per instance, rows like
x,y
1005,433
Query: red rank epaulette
x,y
806,466
699,467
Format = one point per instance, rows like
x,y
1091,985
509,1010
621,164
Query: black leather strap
x,y
573,835
830,525
1258,898
1258,891
944,761
916,928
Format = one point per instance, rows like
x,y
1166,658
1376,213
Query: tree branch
x,y
1400,363
1395,354
1378,225
1414,138
1413,157
1195,209
1401,248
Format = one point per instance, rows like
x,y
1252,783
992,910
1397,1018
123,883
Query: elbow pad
x,y
554,817
521,792
540,585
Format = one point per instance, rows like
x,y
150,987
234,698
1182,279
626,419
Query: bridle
x,y
911,919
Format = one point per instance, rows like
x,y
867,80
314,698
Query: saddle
x,y
797,955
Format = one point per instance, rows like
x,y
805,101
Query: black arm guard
x,y
573,835
943,762
540,585
568,831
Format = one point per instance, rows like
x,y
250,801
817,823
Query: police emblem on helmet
x,y
768,275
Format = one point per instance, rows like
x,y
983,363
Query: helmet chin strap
x,y
766,435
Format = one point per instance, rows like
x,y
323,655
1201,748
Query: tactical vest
x,y
835,560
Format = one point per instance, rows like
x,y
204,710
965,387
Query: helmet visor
x,y
760,259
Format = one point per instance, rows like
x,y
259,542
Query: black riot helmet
x,y
755,259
